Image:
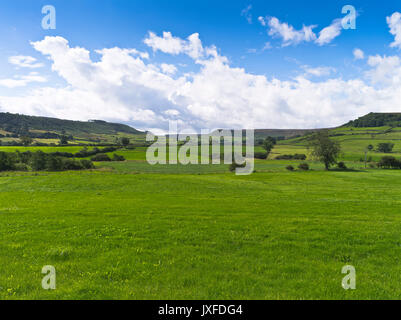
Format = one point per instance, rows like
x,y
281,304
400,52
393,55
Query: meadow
x,y
128,230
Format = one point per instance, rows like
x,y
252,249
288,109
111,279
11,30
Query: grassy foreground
x,y
281,235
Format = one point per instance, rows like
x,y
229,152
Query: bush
x,y
303,166
69,164
290,168
300,157
261,155
342,166
39,161
54,163
234,166
284,157
385,147
291,157
389,162
62,154
101,157
86,164
85,153
21,167
117,157
7,163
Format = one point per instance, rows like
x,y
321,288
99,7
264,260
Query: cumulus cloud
x,y
123,86
25,62
262,21
292,36
329,33
385,70
174,45
169,68
358,54
394,22
22,81
288,33
318,71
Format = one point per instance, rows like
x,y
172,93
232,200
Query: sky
x,y
205,64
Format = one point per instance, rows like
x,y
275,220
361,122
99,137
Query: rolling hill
x,y
44,128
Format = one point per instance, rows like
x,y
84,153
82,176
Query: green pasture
x,y
273,235
129,230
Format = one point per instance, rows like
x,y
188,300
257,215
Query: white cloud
x,y
291,36
169,68
247,13
173,45
329,33
25,62
394,22
172,112
287,32
385,70
262,21
358,54
22,81
319,71
267,46
122,86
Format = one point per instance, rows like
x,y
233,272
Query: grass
x,y
213,236
129,230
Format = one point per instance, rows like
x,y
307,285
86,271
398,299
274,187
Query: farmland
x,y
128,230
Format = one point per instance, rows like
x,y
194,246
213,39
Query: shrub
x,y
284,157
86,164
290,168
39,161
389,162
261,155
303,166
385,147
342,166
300,157
62,154
21,167
234,166
54,163
7,163
69,164
292,157
117,157
101,157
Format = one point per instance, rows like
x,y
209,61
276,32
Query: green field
x,y
128,230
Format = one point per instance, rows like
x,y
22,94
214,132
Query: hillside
x,y
43,128
377,120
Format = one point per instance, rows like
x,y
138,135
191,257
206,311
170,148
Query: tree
x,y
370,147
125,141
389,162
39,161
63,140
268,145
26,140
325,149
385,147
6,162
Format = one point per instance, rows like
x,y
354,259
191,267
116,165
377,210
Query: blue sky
x,y
262,80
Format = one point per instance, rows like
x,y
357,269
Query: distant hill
x,y
20,124
377,120
282,133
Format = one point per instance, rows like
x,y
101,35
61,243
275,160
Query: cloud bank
x,y
125,85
